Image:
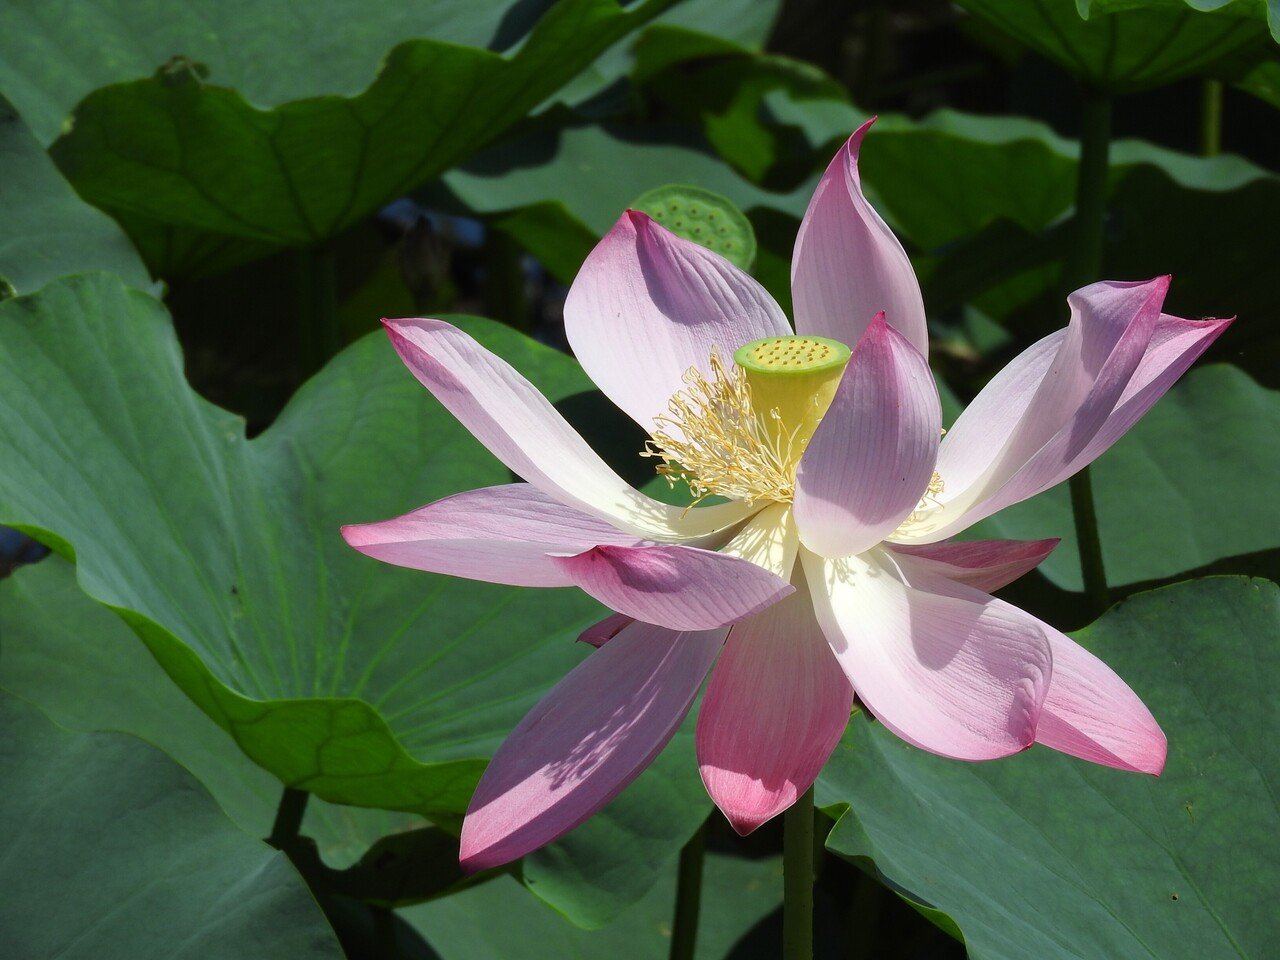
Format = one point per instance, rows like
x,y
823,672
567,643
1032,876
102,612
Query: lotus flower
x,y
828,569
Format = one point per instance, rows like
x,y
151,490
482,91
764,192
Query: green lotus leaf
x,y
186,160
362,683
1128,45
112,850
47,231
1255,9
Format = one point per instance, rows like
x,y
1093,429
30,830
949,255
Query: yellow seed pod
x,y
793,380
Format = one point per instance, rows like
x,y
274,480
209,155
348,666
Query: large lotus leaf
x,y
54,54
491,923
1042,856
177,152
1183,489
48,231
744,23
1135,48
87,670
81,665
112,850
1270,9
360,682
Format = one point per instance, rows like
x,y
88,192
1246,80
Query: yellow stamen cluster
x,y
712,439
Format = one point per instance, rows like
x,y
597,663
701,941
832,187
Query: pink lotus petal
x,y
1174,347
496,534
872,455
1064,401
523,430
585,741
986,565
646,306
1098,358
1091,713
682,588
774,710
945,667
847,265
971,445
1111,324
598,634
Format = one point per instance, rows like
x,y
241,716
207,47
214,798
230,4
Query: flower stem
x,y
1088,542
1211,118
1083,266
293,805
797,879
684,928
1085,260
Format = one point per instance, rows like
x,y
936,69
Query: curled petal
x,y
497,534
945,667
1175,345
647,305
847,265
682,588
521,428
585,741
872,456
767,541
986,565
1063,402
774,710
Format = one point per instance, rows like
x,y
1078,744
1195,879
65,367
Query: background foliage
x,y
205,209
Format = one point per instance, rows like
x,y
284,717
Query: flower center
x,y
740,431
921,520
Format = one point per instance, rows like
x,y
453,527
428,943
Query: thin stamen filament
x,y
713,439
